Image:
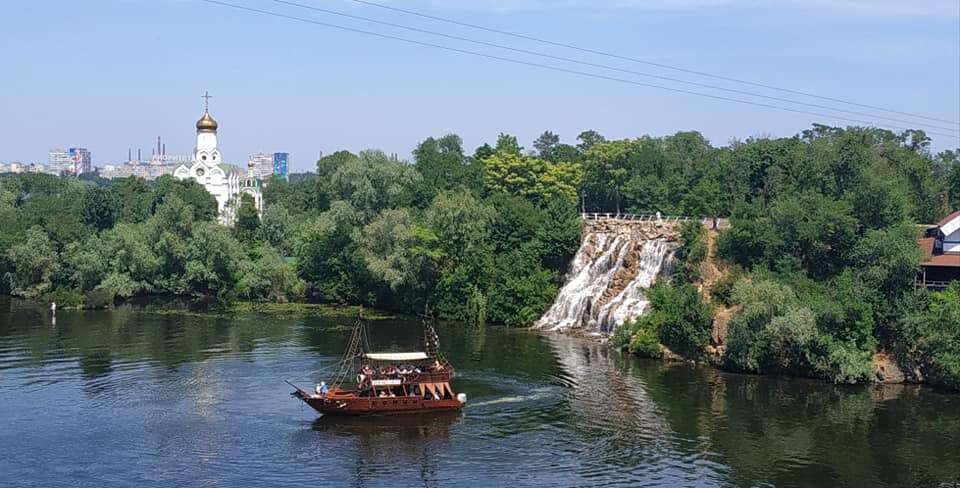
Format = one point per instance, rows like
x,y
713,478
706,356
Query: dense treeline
x,y
821,252
476,238
822,257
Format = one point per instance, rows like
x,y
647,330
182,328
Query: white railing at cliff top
x,y
715,223
637,217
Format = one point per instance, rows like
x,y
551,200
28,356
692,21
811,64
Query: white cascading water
x,y
608,280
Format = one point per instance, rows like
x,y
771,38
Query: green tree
x,y
278,229
521,289
328,259
932,336
212,260
460,222
329,164
248,219
530,177
393,249
546,145
191,193
606,171
442,165
683,321
98,207
588,139
268,277
374,182
508,144
33,265
133,199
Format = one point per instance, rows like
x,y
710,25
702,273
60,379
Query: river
x,y
133,398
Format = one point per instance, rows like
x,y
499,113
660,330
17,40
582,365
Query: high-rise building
x,y
75,160
60,158
280,164
81,160
260,166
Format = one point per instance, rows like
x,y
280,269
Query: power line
x,y
609,67
643,61
552,68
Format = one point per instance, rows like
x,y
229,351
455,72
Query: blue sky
x,y
113,74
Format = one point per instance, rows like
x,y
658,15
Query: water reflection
x,y
126,397
386,446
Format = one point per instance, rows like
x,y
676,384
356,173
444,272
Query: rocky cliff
x,y
617,262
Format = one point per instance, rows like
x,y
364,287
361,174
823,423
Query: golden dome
x,y
206,122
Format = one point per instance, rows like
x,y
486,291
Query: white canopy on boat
x,y
396,356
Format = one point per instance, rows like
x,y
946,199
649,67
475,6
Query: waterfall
x,y
608,278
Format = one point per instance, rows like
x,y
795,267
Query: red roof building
x,y
941,253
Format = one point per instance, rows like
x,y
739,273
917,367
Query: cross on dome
x,y
206,123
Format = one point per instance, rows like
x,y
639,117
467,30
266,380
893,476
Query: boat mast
x,y
357,346
431,340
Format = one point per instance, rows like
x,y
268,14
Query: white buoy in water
x,y
462,397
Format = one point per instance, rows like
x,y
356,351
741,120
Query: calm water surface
x,y
130,398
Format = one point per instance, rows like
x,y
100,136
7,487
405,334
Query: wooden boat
x,y
387,382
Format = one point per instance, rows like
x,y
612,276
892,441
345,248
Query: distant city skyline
x,y
137,70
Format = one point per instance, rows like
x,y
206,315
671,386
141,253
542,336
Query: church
x,y
224,181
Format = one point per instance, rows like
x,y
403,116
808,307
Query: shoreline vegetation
x,y
814,277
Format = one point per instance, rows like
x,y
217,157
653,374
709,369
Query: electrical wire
x,y
557,68
609,67
643,61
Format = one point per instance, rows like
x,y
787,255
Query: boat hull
x,y
377,406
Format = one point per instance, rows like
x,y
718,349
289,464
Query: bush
x,y
723,288
683,320
64,298
268,277
624,334
98,299
931,336
693,251
646,340
842,362
120,285
812,335
678,318
640,336
761,301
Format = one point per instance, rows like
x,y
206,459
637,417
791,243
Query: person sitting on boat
x,y
382,394
437,366
322,389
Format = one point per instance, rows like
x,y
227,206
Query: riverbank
x,y
209,306
714,311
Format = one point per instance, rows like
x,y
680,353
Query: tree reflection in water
x,y
200,400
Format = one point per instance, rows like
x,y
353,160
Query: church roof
x,y
206,122
228,168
